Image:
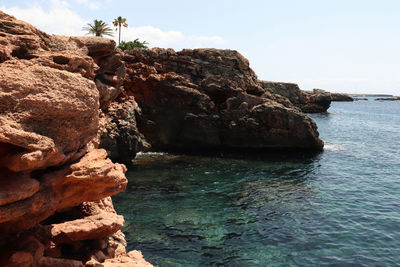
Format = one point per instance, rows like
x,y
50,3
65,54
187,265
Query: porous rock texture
x,y
55,185
316,101
211,99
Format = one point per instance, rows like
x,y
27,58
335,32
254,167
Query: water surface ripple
x,y
337,208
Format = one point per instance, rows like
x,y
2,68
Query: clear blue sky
x,y
341,46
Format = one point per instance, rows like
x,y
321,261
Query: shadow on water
x,y
325,115
159,159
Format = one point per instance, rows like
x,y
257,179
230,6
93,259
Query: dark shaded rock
x,y
120,137
388,99
210,98
340,97
317,101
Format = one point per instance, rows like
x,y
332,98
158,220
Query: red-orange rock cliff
x,y
55,185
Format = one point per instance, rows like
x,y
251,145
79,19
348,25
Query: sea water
x,y
340,207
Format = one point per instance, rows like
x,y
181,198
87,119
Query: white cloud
x,y
89,4
58,3
174,39
59,19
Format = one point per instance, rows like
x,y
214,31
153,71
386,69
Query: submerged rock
x,y
210,99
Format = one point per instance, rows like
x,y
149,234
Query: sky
x,y
350,46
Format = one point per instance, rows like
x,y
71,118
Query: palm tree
x,y
98,28
118,22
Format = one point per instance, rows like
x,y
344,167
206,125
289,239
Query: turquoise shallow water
x,y
337,208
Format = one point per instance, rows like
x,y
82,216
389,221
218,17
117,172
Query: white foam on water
x,y
151,153
333,147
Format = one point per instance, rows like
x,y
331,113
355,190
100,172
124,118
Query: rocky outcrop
x,y
55,185
64,99
388,99
317,101
340,97
91,178
210,99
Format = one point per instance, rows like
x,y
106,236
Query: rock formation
x,y
64,99
388,99
317,101
340,97
121,138
210,99
55,185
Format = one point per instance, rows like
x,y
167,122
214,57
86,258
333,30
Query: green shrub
x,y
136,44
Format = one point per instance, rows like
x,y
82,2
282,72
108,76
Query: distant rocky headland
x,y
378,97
370,95
388,99
72,106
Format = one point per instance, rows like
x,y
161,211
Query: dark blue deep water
x,y
337,208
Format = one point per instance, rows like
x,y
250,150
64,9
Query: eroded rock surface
x,y
92,178
55,185
121,137
46,115
210,98
316,101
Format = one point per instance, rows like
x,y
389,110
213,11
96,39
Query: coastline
x,y
76,97
73,109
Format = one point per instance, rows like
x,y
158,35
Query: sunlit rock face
x,y
316,101
55,185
